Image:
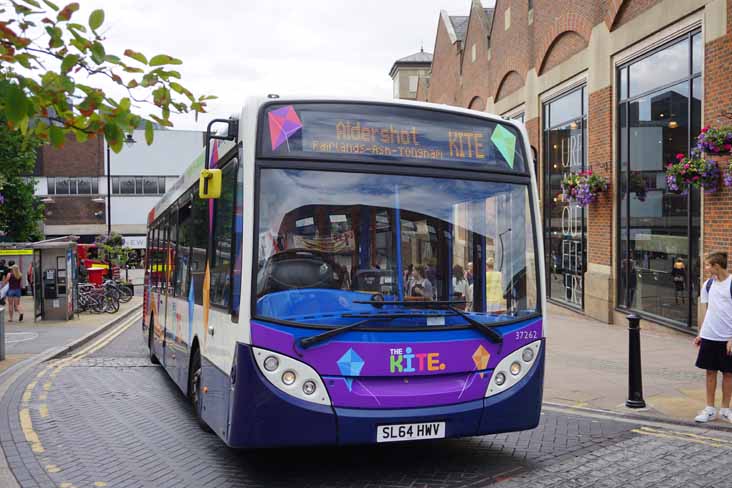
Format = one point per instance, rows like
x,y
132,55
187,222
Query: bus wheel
x,y
153,357
194,389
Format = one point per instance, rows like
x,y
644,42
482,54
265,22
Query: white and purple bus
x,y
343,271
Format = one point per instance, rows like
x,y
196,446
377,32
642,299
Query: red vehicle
x,y
97,268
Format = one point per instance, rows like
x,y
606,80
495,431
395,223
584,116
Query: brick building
x,y
618,86
72,181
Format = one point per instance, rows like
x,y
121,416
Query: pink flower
x,y
679,156
696,178
705,129
669,165
728,147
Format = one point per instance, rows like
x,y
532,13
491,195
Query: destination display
x,y
378,132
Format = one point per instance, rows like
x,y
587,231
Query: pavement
x,y
587,368
24,340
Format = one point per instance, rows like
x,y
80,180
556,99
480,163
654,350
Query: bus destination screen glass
x,y
389,133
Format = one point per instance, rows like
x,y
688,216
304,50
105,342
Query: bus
x,y
351,272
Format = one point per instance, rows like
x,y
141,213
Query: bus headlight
x,y
271,363
527,355
513,368
309,387
291,376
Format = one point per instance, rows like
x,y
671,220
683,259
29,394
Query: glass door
x,y
565,136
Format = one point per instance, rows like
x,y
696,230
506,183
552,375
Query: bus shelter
x,y
55,279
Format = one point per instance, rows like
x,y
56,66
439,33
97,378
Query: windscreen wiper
x,y
450,305
324,336
306,342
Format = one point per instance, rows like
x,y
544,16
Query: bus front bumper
x,y
263,416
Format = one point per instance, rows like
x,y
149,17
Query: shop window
x,y
659,116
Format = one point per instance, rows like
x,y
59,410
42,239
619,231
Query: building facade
x,y
72,182
619,87
406,72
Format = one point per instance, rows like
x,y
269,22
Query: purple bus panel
x,y
382,370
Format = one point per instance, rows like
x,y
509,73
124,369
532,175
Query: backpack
x,y
709,286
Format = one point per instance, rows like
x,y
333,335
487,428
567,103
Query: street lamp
x,y
129,141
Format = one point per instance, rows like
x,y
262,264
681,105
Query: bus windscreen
x,y
389,133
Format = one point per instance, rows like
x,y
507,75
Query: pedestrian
x,y
14,280
459,283
715,336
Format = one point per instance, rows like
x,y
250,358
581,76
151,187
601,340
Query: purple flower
x,y
2,199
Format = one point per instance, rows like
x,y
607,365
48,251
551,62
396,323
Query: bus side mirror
x,y
209,186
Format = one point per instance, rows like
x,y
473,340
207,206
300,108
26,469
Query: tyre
x,y
153,357
194,390
111,304
125,293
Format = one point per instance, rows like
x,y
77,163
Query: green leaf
x,y
97,52
162,59
24,60
81,136
111,58
139,57
52,5
125,104
149,133
56,134
33,3
16,104
68,63
76,27
96,19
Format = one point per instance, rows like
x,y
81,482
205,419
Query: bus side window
x,y
184,245
170,253
154,256
221,258
199,245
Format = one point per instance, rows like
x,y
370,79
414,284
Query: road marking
x,y
26,424
689,436
30,435
24,336
52,468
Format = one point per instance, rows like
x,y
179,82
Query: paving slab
x,y
587,367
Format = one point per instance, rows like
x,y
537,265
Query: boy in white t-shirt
x,y
715,336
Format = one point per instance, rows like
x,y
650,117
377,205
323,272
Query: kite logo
x,y
283,123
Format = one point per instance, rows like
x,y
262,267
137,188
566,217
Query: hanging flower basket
x,y
728,175
692,171
582,188
713,140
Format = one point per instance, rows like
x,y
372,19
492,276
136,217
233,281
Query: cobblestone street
x,y
110,418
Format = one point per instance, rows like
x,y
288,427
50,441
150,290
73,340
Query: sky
x,y
233,49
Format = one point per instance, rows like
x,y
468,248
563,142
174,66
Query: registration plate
x,y
409,432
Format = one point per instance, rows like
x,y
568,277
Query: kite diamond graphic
x,y
350,365
283,123
480,358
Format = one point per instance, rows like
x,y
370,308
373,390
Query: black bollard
x,y
635,381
